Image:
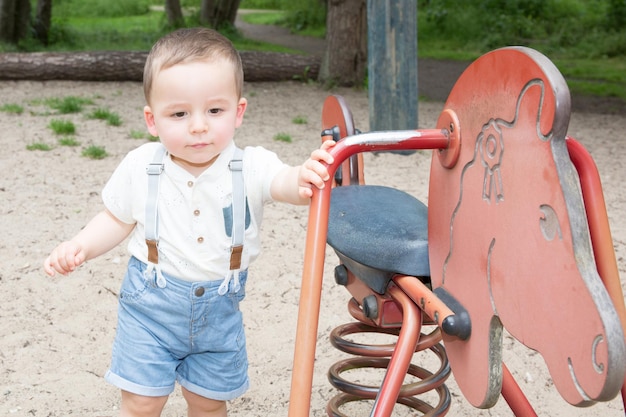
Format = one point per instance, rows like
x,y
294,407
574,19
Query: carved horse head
x,y
508,236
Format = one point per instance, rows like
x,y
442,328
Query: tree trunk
x,y
42,20
128,66
218,13
7,21
22,17
345,62
14,20
174,14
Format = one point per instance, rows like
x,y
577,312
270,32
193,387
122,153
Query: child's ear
x,y
241,109
149,118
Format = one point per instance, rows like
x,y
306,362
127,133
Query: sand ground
x,y
57,333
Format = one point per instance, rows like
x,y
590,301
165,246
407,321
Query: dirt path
x,y
280,36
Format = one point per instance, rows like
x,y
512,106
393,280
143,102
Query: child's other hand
x,y
313,172
64,259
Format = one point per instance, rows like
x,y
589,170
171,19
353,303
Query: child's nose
x,y
199,124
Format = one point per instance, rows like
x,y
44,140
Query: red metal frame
x,y
402,354
599,229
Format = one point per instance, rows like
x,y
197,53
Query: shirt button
x,y
189,184
199,292
196,212
200,239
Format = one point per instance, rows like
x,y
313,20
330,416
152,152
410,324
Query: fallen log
x,y
128,66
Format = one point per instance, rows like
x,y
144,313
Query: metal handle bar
x,y
317,230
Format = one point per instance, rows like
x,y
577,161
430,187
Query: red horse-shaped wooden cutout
x,y
508,237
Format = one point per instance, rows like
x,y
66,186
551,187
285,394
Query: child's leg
x,y
199,406
134,405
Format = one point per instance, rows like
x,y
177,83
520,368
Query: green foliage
x,y
576,28
62,127
305,14
245,4
95,152
305,76
264,18
93,33
585,38
100,8
126,33
302,16
99,25
262,4
12,108
616,15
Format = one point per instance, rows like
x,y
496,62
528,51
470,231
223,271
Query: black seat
x,y
377,232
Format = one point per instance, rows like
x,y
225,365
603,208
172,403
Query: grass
x,y
604,78
127,33
112,118
262,4
39,146
264,17
62,127
283,137
12,108
66,129
138,134
124,33
68,141
95,152
299,120
286,19
67,105
585,39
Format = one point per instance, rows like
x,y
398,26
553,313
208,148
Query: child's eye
x,y
179,114
214,111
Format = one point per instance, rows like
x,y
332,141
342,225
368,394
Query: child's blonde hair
x,y
190,45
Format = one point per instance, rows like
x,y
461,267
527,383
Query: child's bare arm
x,y
102,233
294,184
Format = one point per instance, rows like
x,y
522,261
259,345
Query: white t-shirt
x,y
195,214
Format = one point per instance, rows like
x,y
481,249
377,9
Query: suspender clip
x,y
153,251
155,168
235,256
236,165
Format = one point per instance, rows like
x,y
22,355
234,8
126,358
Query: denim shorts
x,y
183,332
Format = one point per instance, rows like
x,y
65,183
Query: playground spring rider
x,y
515,237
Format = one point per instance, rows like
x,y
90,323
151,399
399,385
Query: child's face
x,y
195,110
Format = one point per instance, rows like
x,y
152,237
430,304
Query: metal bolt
x,y
370,307
341,275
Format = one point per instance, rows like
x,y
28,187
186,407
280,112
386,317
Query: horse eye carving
x,y
549,223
